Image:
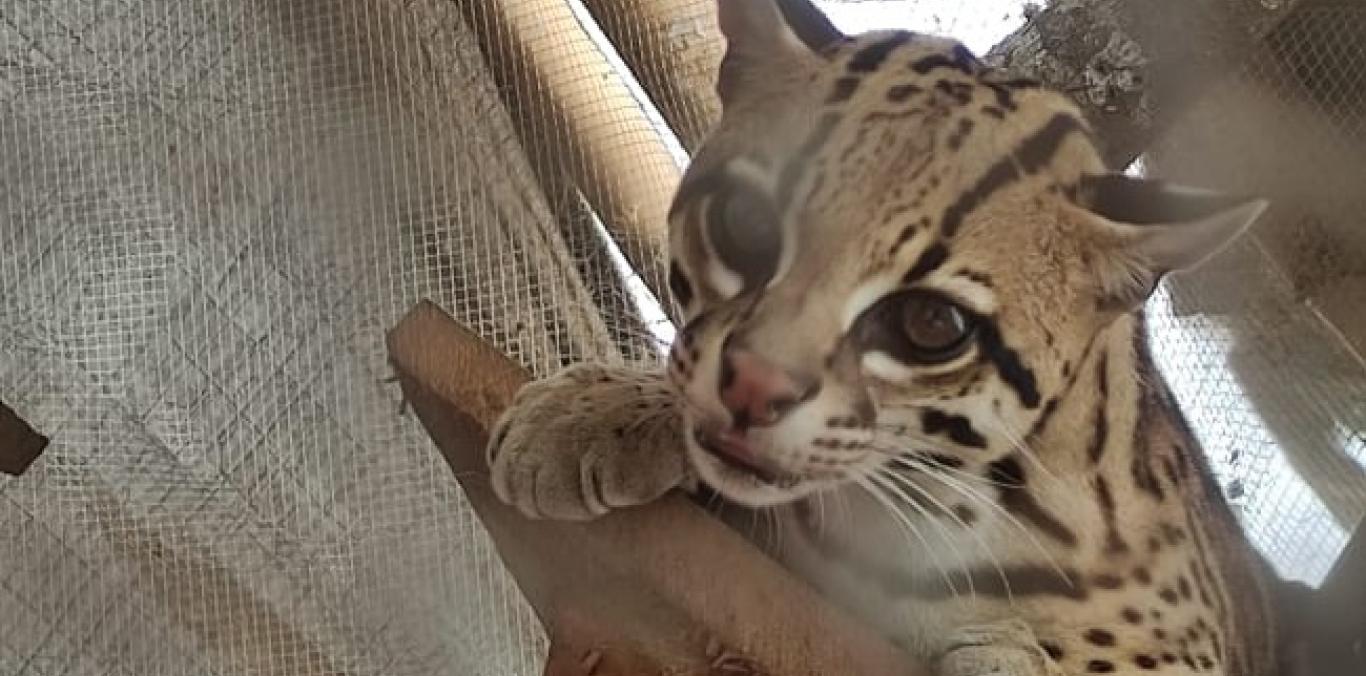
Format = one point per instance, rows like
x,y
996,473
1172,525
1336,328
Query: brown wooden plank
x,y
658,589
20,444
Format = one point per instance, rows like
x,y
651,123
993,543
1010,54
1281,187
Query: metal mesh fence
x,y
1264,345
211,210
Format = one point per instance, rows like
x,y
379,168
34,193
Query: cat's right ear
x,y
762,35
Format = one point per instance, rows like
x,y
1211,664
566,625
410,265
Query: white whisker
x,y
972,494
863,482
1022,445
976,536
885,479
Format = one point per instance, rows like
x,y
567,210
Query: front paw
x,y
1006,648
587,440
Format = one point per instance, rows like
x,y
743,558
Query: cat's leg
x,y
586,440
1006,648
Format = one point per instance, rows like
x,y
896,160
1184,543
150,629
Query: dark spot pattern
x,y
1114,542
926,64
1100,423
1142,576
1100,667
1132,616
1029,157
1145,662
1169,595
870,58
844,89
1172,534
902,92
1041,423
1005,100
965,514
1144,477
1108,581
960,92
1099,637
1052,649
956,139
1008,364
1016,498
1017,582
1200,586
930,260
956,427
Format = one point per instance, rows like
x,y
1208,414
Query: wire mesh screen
x,y
210,212
1264,345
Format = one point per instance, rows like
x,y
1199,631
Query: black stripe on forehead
x,y
1033,154
930,260
870,58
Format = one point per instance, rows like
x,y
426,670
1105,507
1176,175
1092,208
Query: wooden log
x,y
674,48
20,444
653,590
576,116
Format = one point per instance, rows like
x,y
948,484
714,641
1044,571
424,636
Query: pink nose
x,y
756,392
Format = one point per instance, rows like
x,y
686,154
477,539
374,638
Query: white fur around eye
x,y
883,367
864,297
968,293
722,280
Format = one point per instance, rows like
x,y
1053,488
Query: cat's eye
x,y
745,233
934,328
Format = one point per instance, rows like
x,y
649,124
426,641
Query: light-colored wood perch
x,y
674,47
662,589
578,118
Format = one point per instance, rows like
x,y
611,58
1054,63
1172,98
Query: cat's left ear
x,y
764,37
1153,228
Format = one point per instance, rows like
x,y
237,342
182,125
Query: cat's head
x,y
888,252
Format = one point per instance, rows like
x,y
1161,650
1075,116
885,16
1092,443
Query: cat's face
x,y
889,254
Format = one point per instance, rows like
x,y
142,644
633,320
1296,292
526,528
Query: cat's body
x,y
914,340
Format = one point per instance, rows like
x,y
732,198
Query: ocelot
x,y
914,338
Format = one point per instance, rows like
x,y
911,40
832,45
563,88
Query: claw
x,y
590,662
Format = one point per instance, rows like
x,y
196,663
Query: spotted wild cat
x,y
914,338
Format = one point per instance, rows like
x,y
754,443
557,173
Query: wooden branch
x,y
20,444
654,590
578,119
674,48
1134,66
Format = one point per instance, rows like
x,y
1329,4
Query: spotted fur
x,y
1031,498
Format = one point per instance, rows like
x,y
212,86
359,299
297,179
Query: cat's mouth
x,y
737,469
732,450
